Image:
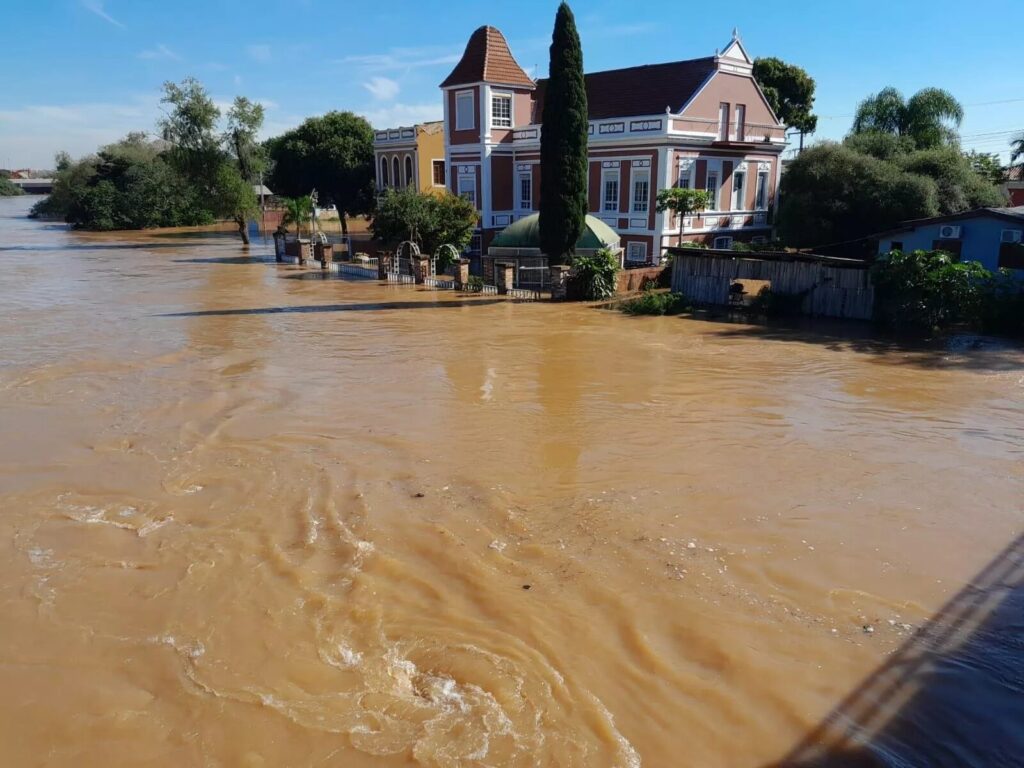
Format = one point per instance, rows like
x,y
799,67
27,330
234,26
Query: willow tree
x,y
563,144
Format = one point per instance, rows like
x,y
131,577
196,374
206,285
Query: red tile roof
x,y
644,90
487,59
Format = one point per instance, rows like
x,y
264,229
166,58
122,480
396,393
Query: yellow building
x,y
411,156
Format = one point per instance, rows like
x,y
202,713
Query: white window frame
x,y
524,204
726,247
385,173
741,120
685,174
738,204
640,175
608,175
497,96
712,173
409,167
433,172
470,193
470,113
723,120
761,193
636,246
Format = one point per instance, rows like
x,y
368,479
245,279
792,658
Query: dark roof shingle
x,y
644,90
487,59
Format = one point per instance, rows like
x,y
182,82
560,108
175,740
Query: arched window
x,y
396,171
384,173
408,170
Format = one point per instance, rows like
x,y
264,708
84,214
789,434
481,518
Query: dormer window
x,y
464,111
501,110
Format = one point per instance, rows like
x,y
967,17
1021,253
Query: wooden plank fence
x,y
834,287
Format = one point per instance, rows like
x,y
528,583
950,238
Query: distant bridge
x,y
34,186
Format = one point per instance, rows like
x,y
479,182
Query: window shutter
x,y
725,187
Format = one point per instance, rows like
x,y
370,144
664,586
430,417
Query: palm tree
x,y
1017,154
930,117
296,211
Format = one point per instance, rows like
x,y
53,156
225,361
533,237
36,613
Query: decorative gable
x,y
735,57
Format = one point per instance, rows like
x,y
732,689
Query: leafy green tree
x,y
987,165
233,198
790,92
930,117
832,194
682,202
190,127
332,154
245,118
960,188
883,146
430,220
563,144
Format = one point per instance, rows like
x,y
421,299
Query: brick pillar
x,y
421,268
559,281
383,264
504,273
324,254
461,274
487,262
305,251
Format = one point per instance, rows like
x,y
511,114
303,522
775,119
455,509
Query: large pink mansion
x,y
702,123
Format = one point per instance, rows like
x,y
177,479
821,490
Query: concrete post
x,y
422,269
461,274
324,254
383,264
559,281
504,273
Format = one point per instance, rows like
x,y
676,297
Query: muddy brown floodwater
x,y
250,517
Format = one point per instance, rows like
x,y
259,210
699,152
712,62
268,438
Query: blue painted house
x,y
993,236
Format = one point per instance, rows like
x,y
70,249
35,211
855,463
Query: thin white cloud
x,y
96,7
32,134
261,52
382,88
404,58
160,52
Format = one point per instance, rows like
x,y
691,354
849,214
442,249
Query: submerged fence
x,y
831,287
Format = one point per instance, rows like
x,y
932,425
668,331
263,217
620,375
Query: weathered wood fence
x,y
834,287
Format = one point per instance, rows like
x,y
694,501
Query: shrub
x,y
925,290
656,303
9,188
476,282
1002,305
593,276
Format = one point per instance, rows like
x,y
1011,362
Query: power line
x,y
976,104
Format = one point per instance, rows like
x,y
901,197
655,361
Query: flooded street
x,y
251,517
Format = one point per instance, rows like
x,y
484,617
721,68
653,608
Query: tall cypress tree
x,y
563,144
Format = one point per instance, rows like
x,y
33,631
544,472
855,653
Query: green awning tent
x,y
525,233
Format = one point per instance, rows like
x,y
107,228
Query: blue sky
x,y
75,74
